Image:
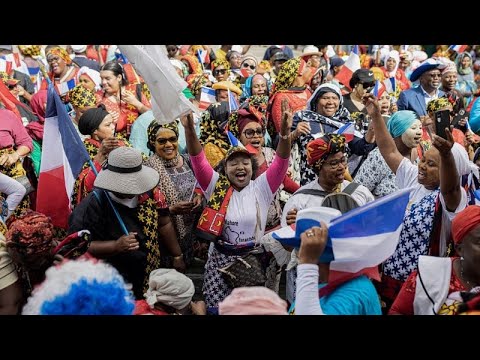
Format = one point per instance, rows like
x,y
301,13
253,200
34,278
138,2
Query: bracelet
x,y
284,137
178,257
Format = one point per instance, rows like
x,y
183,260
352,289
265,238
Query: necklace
x,y
463,276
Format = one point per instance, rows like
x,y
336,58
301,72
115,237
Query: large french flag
x,y
207,97
351,65
458,48
63,156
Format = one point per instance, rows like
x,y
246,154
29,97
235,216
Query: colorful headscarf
x,y
458,62
247,88
62,53
81,97
7,80
253,109
30,50
287,74
464,222
218,62
92,74
400,121
37,103
196,81
194,66
437,104
319,149
153,129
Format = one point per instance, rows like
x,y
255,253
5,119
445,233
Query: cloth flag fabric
x,y
347,130
166,87
232,102
351,65
202,55
234,142
458,48
65,86
63,156
207,97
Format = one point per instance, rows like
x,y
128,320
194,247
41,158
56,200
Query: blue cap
x,y
427,65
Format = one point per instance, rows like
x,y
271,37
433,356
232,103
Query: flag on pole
x,y
65,86
207,97
351,65
458,48
232,102
63,156
347,130
234,142
168,100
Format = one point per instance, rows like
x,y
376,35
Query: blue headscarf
x,y
247,87
400,122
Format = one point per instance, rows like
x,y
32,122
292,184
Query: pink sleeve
x,y
276,172
20,135
202,169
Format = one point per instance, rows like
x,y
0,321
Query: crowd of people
x,y
284,136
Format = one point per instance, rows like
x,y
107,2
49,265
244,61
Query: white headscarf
x,y
396,56
169,287
92,74
462,162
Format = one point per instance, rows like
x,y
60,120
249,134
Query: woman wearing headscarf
x,y
325,114
61,67
221,70
169,293
235,216
248,125
253,300
391,69
124,100
32,57
255,85
38,103
437,198
90,79
444,278
177,183
465,79
290,84
374,173
98,124
212,132
81,99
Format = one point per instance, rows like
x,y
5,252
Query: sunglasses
x,y
245,65
250,133
219,72
163,141
368,86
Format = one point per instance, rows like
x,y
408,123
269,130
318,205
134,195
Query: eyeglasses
x,y
219,71
435,75
250,133
368,86
53,59
245,65
334,163
163,141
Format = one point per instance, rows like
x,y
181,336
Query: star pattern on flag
x,y
414,238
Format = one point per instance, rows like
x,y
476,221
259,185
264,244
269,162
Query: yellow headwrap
x,y
81,97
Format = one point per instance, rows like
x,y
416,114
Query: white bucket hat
x,y
125,174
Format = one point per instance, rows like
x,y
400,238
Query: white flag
x,y
168,100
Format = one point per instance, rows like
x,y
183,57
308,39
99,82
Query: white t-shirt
x,y
241,216
407,176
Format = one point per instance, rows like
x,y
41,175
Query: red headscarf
x,y
319,149
37,103
464,222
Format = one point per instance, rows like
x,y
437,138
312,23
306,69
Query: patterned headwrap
x,y
319,149
437,104
30,234
253,109
287,74
218,62
464,222
195,83
399,122
265,66
81,97
194,66
7,80
30,50
247,88
153,129
62,53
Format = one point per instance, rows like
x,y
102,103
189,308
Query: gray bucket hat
x,y
125,174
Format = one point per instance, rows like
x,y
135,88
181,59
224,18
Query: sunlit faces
x,y
466,62
390,65
328,104
172,50
412,136
385,102
166,144
105,130
86,82
449,80
56,64
235,60
314,61
428,169
221,94
333,168
259,85
253,133
238,169
220,73
431,79
111,83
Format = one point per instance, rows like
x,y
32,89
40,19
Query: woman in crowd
x,y
242,202
90,79
391,69
465,79
255,85
437,198
444,278
177,183
61,67
124,101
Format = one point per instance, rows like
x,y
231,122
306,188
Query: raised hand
x,y
187,120
371,104
444,146
287,118
312,246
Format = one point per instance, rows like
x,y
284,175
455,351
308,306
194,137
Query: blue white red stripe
x,y
458,48
351,65
207,97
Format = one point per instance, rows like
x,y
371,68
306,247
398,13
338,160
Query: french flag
x,y
207,97
458,48
14,58
347,130
359,240
351,65
234,142
66,86
202,56
232,102
63,156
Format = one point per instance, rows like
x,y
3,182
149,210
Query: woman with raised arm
x,y
236,213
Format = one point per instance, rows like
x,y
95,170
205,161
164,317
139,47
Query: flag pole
x,y
200,59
